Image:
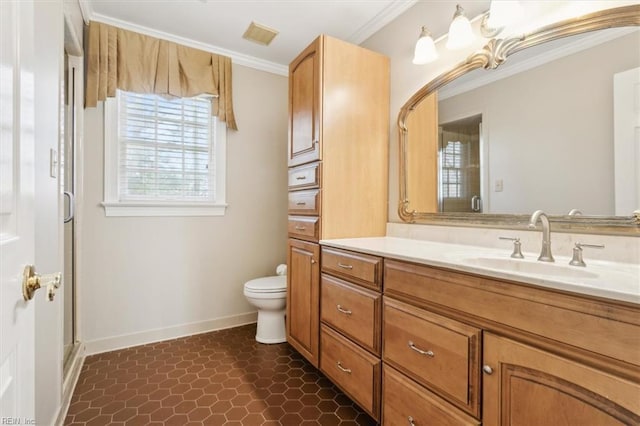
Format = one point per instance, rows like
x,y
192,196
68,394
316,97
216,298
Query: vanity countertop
x,y
611,280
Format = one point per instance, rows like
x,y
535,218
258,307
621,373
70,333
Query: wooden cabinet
x,y
303,302
465,349
351,317
524,385
407,403
548,357
440,353
338,160
304,105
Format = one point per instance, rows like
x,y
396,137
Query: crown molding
x,y
382,18
86,10
236,57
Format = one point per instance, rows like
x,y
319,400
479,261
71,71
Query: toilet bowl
x,y
269,295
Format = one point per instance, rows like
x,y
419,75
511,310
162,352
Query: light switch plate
x,y
499,185
53,163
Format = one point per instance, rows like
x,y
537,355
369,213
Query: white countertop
x,y
611,280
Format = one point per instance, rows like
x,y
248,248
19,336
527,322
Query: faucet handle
x,y
577,260
517,247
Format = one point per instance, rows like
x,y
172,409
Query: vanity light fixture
x,y
460,33
425,51
501,14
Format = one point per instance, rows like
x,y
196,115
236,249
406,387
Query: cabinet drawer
x,y
405,402
361,268
438,352
352,310
305,228
305,202
353,369
306,176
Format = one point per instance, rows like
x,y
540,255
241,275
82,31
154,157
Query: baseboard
x,y
135,339
70,379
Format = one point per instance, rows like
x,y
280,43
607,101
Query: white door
x,y
17,236
626,130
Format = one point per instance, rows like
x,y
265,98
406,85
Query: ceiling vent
x,y
260,34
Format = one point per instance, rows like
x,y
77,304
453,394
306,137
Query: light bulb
x,y
425,51
503,13
460,33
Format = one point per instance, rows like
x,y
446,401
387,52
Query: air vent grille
x,y
260,34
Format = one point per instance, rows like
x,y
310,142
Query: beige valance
x,y
125,60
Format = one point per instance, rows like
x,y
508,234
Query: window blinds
x,y
165,148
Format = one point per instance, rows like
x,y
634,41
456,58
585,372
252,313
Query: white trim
x,y
236,57
86,10
386,15
166,333
70,381
569,48
120,209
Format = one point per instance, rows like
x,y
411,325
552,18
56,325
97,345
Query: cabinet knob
x,y
411,422
313,261
487,369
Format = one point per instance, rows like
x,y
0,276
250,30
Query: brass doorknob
x,y
31,282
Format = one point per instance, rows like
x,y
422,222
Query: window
x,y
163,157
452,170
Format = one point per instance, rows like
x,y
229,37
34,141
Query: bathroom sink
x,y
529,267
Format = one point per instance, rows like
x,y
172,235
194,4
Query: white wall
x,y
549,131
146,279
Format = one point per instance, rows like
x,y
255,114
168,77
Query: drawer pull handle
x,y
344,311
411,423
342,265
420,351
345,370
300,228
301,203
301,178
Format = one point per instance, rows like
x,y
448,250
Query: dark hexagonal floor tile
x,y
219,378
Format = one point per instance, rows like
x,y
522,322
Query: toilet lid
x,y
273,284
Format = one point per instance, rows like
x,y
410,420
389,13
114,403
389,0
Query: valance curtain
x,y
125,60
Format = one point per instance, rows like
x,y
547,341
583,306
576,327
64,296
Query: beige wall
x,y
149,278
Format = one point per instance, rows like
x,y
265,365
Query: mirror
x,y
470,155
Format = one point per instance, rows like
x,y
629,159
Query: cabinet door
x,y
303,298
524,385
304,106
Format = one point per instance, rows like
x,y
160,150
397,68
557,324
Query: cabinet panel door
x,y
304,110
303,298
529,386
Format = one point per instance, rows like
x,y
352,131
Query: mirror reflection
x,y
557,129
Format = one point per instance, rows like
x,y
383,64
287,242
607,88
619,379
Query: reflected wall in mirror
x,y
539,132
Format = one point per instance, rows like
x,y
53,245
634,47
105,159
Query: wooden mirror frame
x,y
492,55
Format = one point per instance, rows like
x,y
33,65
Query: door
x,y
303,298
626,131
17,213
524,386
459,152
304,106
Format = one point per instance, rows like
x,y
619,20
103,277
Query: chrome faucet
x,y
545,252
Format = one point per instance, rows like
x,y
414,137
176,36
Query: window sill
x,y
151,209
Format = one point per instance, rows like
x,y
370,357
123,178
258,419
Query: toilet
x,y
269,295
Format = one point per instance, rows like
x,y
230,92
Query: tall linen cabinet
x,y
338,167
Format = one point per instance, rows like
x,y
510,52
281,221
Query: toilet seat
x,y
275,284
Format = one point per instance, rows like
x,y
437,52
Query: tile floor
x,y
218,378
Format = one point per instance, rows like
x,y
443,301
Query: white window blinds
x,y
165,148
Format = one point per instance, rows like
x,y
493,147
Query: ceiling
x,y
218,25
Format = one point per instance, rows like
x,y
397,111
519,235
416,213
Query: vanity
x,y
419,332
